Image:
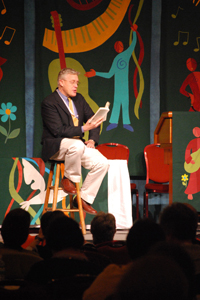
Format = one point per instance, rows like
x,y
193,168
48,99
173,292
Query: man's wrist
x,y
92,141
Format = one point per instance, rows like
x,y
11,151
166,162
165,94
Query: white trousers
x,y
76,154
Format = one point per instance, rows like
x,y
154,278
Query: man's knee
x,y
104,163
77,147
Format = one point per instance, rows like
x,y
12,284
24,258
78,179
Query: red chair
x,y
116,251
118,151
156,171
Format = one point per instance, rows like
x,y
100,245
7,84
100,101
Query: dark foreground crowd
x,y
159,261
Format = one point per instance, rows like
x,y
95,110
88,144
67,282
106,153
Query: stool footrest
x,y
52,187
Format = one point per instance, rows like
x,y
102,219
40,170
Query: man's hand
x,y
89,126
90,144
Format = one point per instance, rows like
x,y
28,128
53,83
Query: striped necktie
x,y
75,120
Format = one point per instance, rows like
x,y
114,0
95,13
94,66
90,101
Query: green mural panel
x,y
179,44
183,125
12,100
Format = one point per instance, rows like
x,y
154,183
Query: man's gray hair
x,y
64,72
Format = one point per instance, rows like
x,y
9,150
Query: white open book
x,y
101,113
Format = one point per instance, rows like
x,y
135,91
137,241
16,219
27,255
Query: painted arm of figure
x,y
128,52
93,73
185,83
126,55
188,157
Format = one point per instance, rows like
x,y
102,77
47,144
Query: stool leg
x,y
71,206
82,221
50,178
62,167
56,186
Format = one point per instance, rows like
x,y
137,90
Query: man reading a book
x,y
66,116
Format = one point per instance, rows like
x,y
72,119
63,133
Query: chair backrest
x,y
114,151
18,263
116,250
156,169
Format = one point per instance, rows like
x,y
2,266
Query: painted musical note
x,y
179,34
197,49
175,15
3,11
7,42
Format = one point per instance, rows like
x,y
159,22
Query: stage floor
x,y
120,235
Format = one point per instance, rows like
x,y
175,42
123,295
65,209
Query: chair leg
x,y
137,205
48,188
145,205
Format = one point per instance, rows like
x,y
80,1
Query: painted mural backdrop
x,y
186,158
108,42
180,65
12,100
180,92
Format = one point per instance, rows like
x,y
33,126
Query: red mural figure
x,y
2,61
193,80
192,164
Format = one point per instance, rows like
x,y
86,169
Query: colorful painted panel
x,y
24,185
186,158
12,99
180,69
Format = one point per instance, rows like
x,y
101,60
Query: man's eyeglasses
x,y
73,82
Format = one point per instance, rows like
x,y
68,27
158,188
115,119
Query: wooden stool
x,y
60,170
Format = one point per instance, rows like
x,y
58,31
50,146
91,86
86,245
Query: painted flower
x,y
184,177
7,111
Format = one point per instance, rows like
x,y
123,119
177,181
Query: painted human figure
x,y
192,164
120,71
193,80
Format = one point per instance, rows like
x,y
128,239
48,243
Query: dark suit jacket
x,y
58,123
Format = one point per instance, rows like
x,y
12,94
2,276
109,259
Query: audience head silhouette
x,y
103,227
64,233
47,218
15,228
152,277
142,235
179,221
179,254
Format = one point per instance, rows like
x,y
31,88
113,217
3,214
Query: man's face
x,y
69,85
